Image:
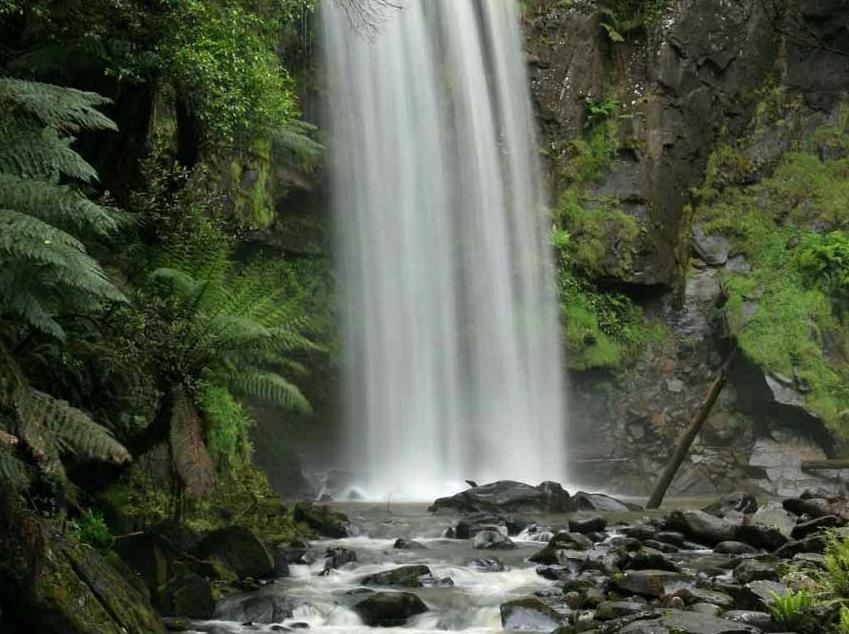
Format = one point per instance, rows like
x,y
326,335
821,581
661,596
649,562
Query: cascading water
x,y
452,339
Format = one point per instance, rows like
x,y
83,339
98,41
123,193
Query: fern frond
x,y
58,205
56,106
32,431
296,139
272,388
13,472
32,153
188,453
75,432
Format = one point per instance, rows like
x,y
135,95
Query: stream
x,y
322,602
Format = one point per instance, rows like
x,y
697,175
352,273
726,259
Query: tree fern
x,y
44,266
272,388
188,451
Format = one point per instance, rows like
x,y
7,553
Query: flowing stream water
x,y
323,602
452,338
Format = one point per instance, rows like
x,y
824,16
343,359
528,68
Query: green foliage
x,y
227,429
599,111
44,266
90,528
836,578
223,58
796,611
824,261
626,19
788,313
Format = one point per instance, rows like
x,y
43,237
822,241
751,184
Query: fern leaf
x,y
56,105
294,138
189,455
31,153
272,388
75,432
13,472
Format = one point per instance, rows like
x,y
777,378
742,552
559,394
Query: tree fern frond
x,y
189,455
74,431
296,139
32,431
59,205
272,388
13,472
31,153
56,105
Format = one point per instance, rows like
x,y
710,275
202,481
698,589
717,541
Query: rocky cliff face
x,y
694,80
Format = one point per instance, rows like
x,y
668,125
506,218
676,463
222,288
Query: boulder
x,y
492,540
408,544
701,527
507,496
240,550
812,507
263,608
693,596
587,523
389,609
583,501
490,564
758,536
682,622
815,543
401,577
713,250
647,583
187,594
734,548
648,559
472,524
530,615
609,610
757,570
322,519
337,557
560,541
774,515
758,619
804,529
739,501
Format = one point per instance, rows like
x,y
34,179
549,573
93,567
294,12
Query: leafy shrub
x,y
836,578
90,528
824,260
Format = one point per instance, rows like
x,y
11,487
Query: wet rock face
x,y
529,615
240,550
389,609
401,577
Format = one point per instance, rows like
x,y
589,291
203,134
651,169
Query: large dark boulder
x,y
647,583
492,540
682,622
263,608
507,496
187,594
389,609
701,527
472,524
401,577
530,614
240,550
738,501
583,501
322,519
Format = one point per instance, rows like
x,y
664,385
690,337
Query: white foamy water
x,y
452,341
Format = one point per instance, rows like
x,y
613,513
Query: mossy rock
x,y
188,595
322,519
72,589
240,550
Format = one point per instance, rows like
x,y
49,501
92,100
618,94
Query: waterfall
x,y
453,354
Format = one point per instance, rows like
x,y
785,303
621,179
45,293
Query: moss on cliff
x,y
784,312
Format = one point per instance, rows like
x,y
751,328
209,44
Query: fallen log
x,y
823,465
689,436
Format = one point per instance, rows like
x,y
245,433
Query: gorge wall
x,y
677,109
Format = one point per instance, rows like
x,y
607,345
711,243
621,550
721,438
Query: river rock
x,y
507,496
648,583
609,610
804,529
648,559
530,614
322,519
587,523
661,546
682,622
774,515
759,536
264,608
187,594
492,540
389,609
673,538
758,619
812,507
812,544
240,550
738,501
472,524
757,570
700,526
583,501
489,564
401,577
337,557
560,541
693,595
734,548
408,544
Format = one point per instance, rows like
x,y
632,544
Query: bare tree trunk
x,y
690,435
